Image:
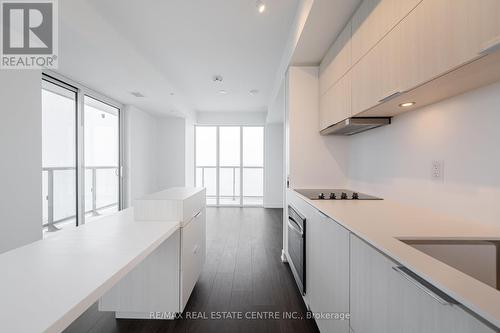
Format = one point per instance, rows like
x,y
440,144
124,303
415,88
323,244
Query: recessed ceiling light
x,y
407,104
137,94
261,6
218,78
254,92
223,92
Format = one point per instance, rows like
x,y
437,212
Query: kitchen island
x,y
46,285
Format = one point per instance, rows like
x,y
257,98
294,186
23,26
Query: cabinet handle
x,y
490,46
421,284
195,249
391,96
197,214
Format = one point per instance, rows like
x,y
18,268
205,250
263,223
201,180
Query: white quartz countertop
x,y
46,285
174,193
382,223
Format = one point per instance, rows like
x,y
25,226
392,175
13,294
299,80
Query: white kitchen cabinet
x,y
373,20
433,39
327,248
337,61
193,253
152,286
376,77
335,104
441,35
173,204
383,300
165,280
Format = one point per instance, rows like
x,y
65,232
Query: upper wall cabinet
x,y
418,51
376,77
335,104
441,35
337,61
373,20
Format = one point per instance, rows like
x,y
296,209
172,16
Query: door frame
x,y
81,92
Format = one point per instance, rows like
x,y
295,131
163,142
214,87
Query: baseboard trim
x,y
273,205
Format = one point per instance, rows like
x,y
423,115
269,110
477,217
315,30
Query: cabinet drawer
x,y
193,252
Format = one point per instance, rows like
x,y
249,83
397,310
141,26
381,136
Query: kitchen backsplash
x,y
460,136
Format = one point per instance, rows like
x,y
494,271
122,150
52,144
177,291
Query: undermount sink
x,y
479,259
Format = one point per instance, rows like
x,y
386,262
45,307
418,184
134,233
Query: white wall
x,y
21,158
273,166
315,161
231,118
154,153
141,148
395,161
189,158
172,150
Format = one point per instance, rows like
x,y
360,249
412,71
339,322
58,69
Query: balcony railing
x,y
51,182
234,193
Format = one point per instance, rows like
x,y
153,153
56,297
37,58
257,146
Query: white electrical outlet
x,y
437,170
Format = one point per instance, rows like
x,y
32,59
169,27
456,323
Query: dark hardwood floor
x,y
243,273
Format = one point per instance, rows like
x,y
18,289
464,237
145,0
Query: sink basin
x,y
478,259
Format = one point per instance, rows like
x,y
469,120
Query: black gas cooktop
x,y
334,194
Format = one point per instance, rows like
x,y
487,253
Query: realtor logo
x,y
29,34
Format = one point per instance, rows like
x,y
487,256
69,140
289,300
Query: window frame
x,y
218,126
82,91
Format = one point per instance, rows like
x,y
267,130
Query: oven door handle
x,y
295,226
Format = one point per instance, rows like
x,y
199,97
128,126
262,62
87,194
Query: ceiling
x,y
323,20
326,20
170,50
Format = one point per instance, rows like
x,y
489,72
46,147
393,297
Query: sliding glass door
x,y
59,103
253,166
206,161
80,155
102,156
230,164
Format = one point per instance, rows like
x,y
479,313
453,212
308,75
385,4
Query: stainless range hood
x,y
355,125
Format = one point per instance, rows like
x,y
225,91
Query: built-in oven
x,y
297,247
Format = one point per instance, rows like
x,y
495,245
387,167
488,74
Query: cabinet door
x,y
371,283
418,311
376,77
328,271
193,250
441,35
335,104
337,61
373,20
385,301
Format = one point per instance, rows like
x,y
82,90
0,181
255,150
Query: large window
x,y
80,155
230,164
